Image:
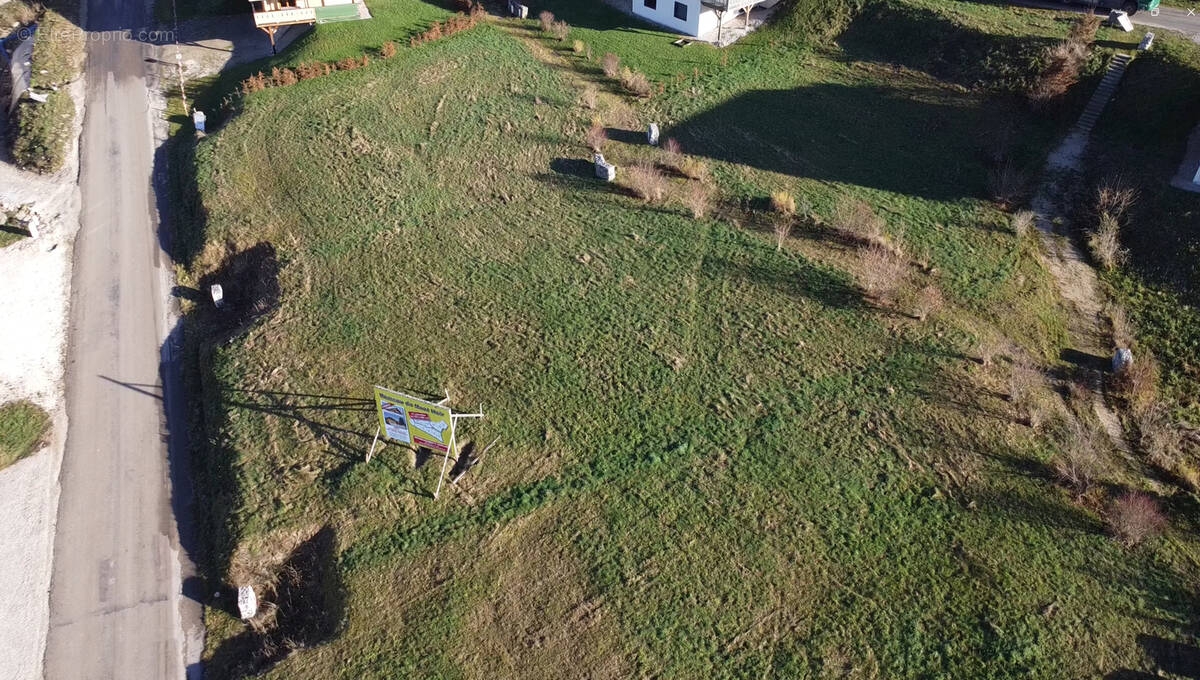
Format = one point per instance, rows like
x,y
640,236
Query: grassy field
x,y
717,457
23,427
1145,132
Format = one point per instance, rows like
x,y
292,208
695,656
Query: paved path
x,y
116,604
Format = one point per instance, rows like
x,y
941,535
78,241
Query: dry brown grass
x,y
559,30
883,272
1024,383
928,302
987,349
1063,64
698,199
1105,242
1135,517
694,168
647,182
1121,327
782,227
387,50
855,220
1023,222
783,203
611,64
1080,460
596,137
636,82
1139,382
1007,182
1115,196
588,97
546,20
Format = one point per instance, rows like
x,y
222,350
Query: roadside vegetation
x,y
23,429
1145,236
782,399
43,131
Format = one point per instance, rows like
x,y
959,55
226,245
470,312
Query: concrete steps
x,y
1102,95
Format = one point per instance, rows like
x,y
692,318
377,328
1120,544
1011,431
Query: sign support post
x,y
418,423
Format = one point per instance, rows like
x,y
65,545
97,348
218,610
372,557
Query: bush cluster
x,y
1065,60
283,77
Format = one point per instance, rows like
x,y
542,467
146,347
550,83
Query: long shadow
x,y
303,608
892,33
863,135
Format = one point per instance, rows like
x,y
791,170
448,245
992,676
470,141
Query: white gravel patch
x,y
37,287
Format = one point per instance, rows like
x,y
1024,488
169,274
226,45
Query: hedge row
x,y
283,77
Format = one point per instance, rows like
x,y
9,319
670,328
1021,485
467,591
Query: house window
x,y
650,4
681,11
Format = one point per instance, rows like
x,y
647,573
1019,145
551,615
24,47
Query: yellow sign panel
x,y
409,420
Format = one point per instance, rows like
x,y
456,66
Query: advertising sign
x,y
409,420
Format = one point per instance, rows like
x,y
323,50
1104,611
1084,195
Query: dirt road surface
x,y
116,603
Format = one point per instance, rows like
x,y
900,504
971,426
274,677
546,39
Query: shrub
x,y
636,82
254,83
1006,182
883,271
698,199
560,30
1122,328
1063,63
856,221
1135,517
546,20
282,77
309,70
694,168
783,203
928,302
647,182
611,64
1023,383
1023,222
1105,242
388,50
783,229
1139,382
1159,438
1079,461
987,349
1083,29
1115,197
348,64
596,137
588,97
578,47
44,132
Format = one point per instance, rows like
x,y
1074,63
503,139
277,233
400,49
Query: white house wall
x,y
698,22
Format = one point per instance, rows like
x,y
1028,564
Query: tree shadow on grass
x,y
867,136
924,40
793,276
303,608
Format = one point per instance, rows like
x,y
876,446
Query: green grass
x,y
716,458
43,134
23,429
58,47
1145,130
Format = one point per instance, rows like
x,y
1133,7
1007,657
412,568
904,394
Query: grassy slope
x,y
1145,131
23,425
716,458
